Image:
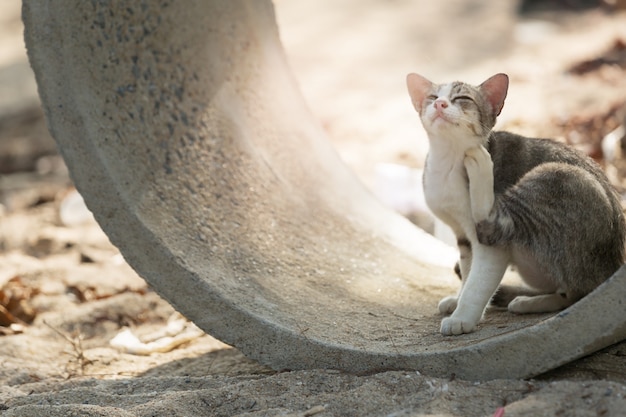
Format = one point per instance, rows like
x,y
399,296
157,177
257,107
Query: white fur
x,y
444,90
446,187
454,156
488,266
479,169
543,303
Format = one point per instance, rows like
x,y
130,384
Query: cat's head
x,y
458,110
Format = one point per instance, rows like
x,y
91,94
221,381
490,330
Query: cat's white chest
x,y
447,192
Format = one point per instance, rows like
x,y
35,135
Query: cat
x,y
534,203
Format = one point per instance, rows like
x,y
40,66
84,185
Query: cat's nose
x,y
440,104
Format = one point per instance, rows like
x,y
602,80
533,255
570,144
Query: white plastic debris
x,y
400,187
73,210
533,32
177,331
611,143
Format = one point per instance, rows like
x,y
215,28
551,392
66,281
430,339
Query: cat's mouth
x,y
441,118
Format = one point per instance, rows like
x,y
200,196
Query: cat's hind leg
x,y
544,303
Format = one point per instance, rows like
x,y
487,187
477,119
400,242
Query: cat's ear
x,y
495,89
419,87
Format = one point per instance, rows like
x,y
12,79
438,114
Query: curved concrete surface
x,y
184,131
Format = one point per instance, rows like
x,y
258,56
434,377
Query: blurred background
x,y
566,60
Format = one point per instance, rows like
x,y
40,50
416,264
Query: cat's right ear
x,y
495,89
419,87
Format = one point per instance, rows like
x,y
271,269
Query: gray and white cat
x,y
534,203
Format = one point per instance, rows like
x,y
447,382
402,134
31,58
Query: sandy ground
x,y
67,291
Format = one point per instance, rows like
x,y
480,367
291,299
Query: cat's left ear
x,y
419,87
495,89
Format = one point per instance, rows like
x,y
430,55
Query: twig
x,y
77,347
393,343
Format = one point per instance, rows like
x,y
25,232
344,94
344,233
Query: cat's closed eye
x,y
432,97
462,98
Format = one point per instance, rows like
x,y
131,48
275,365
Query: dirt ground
x,y
66,292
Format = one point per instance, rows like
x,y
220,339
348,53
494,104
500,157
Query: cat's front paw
x,y
479,167
448,304
451,326
478,162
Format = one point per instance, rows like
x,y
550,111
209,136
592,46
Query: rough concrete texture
x,y
184,131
